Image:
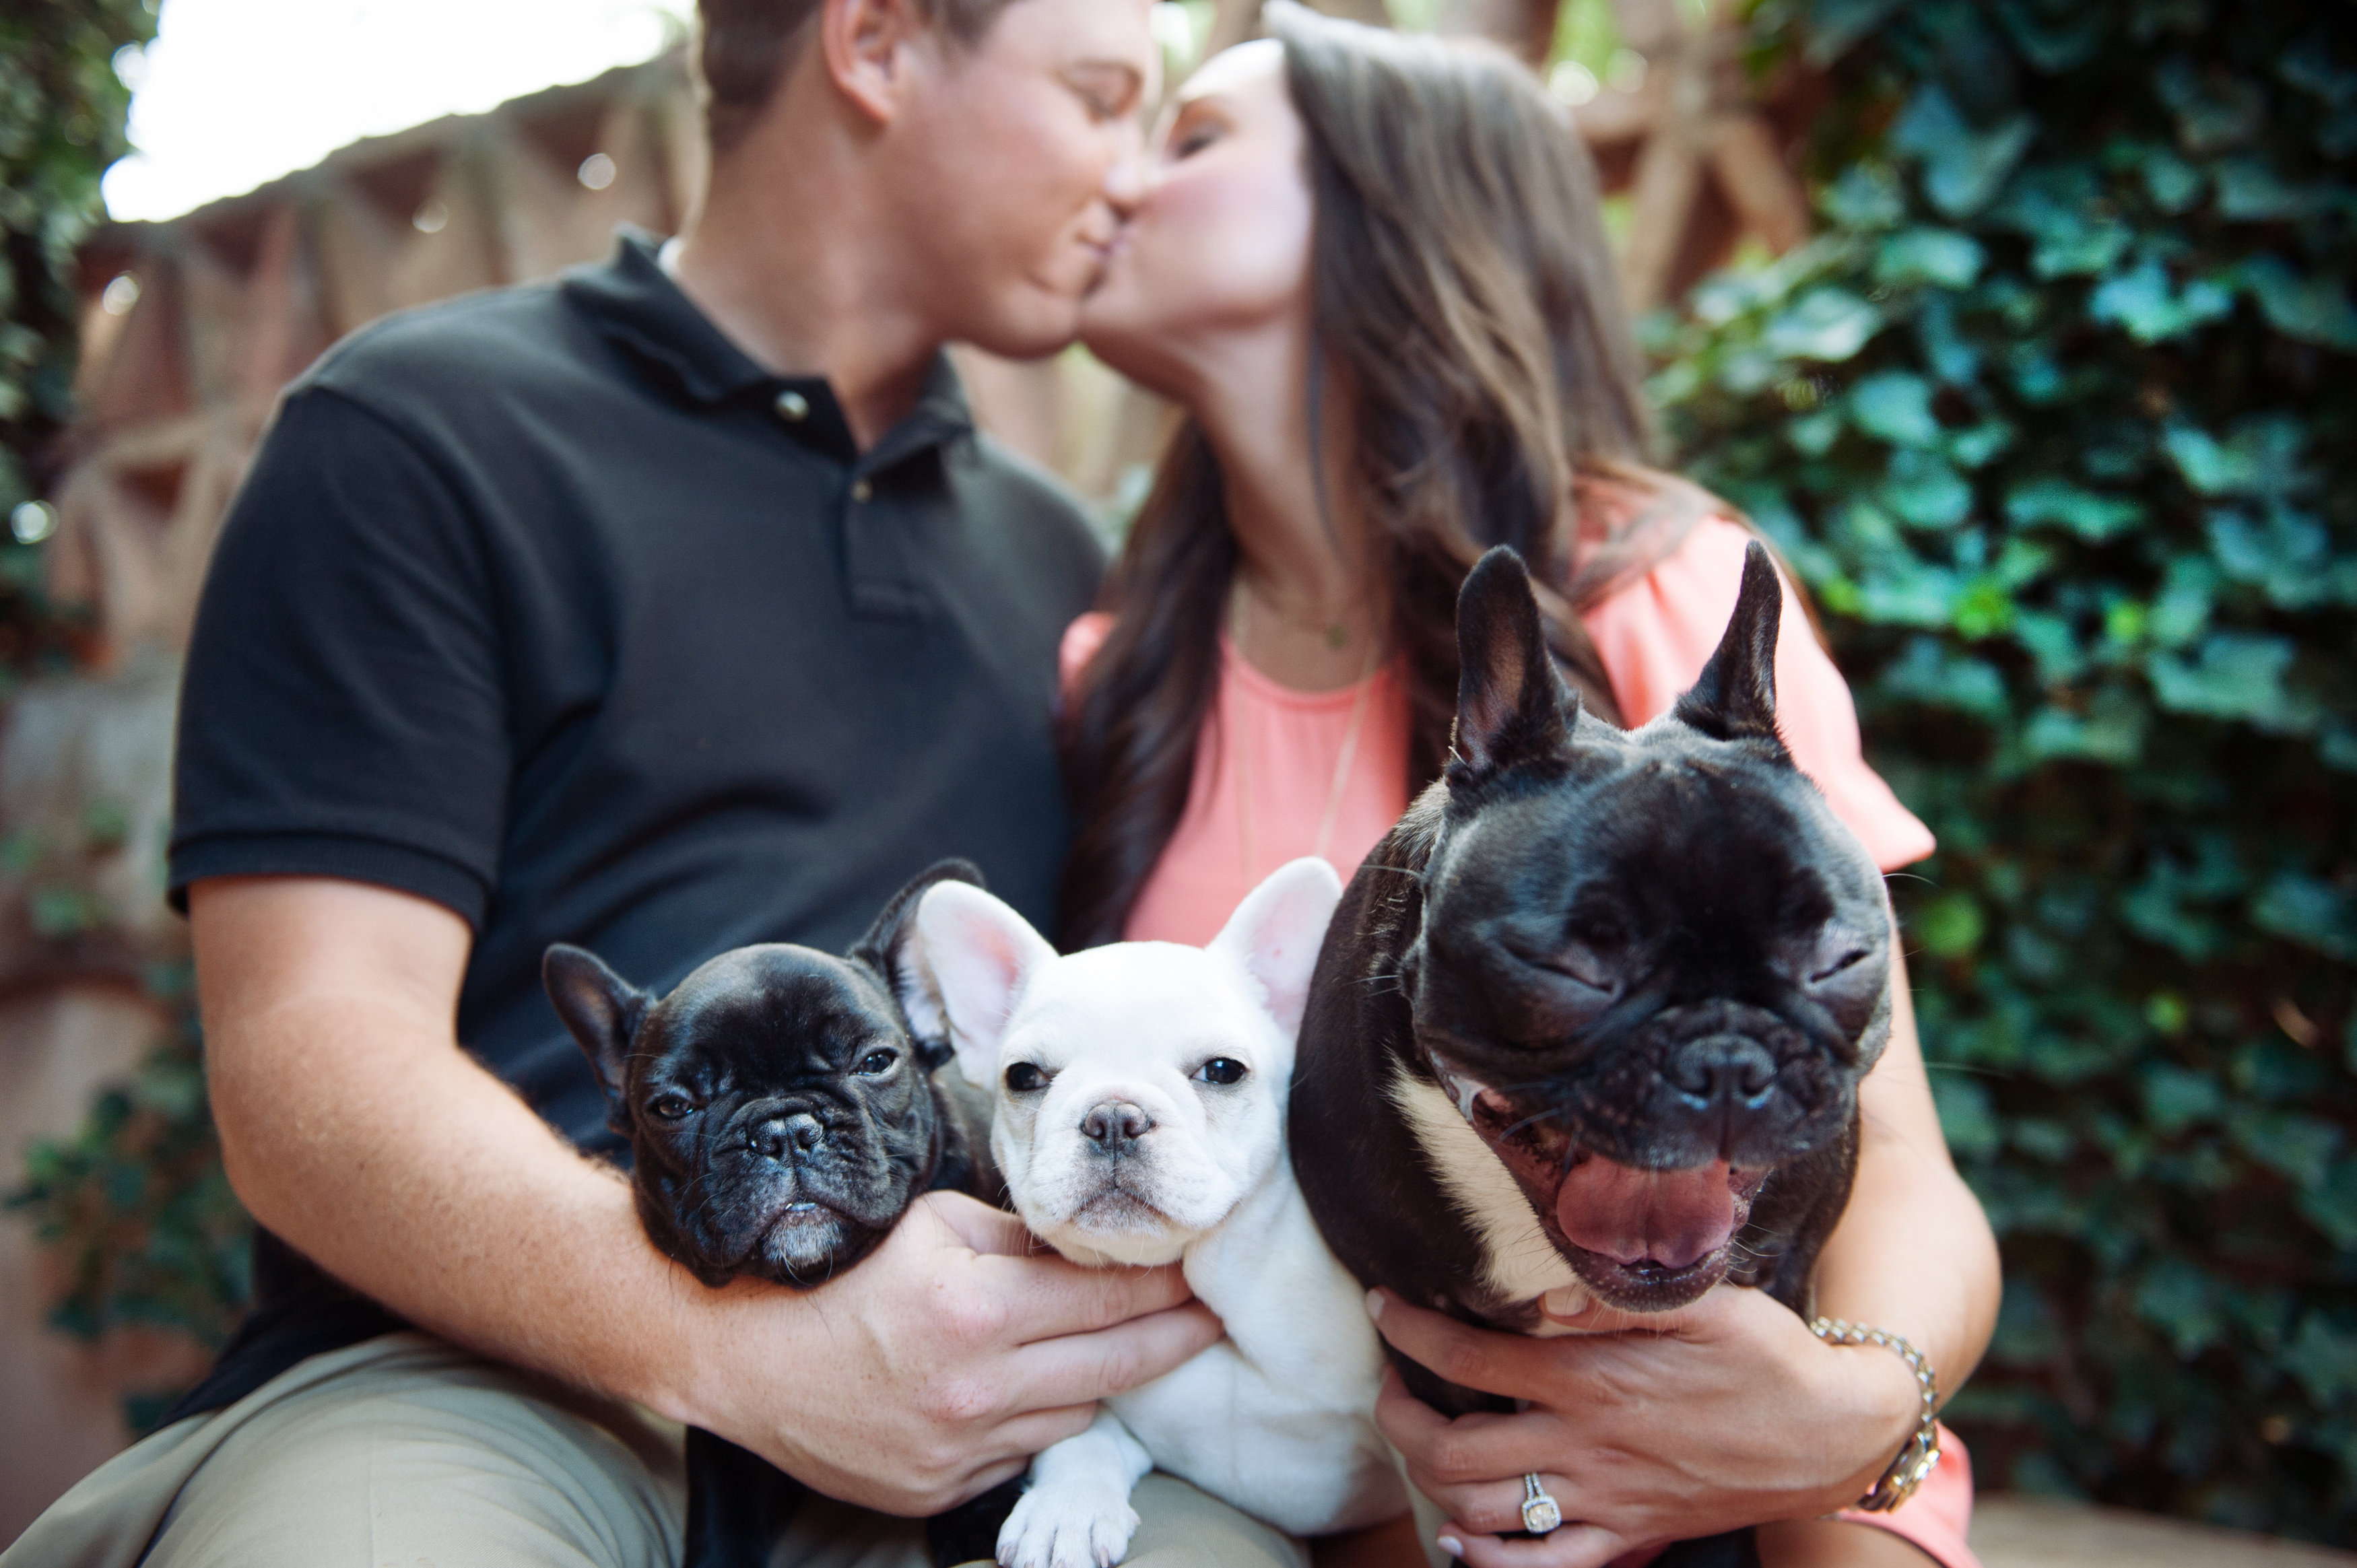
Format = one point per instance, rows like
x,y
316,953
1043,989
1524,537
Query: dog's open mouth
x,y
1643,1241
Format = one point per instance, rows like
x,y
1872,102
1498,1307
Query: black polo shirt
x,y
551,605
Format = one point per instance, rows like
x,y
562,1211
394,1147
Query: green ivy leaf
x,y
2173,183
2209,466
2093,516
1962,169
2313,913
2240,675
2143,301
1940,257
1895,407
2330,1205
2180,1300
2251,192
1928,673
1925,492
1951,926
2313,307
1826,323
2297,1148
2174,1098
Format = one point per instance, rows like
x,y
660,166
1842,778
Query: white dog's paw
x,y
1067,1526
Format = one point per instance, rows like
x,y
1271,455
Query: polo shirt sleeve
x,y
1655,633
343,711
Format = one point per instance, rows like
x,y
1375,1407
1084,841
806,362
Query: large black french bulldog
x,y
782,1117
1594,1014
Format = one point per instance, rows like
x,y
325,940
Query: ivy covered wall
x,y
2057,420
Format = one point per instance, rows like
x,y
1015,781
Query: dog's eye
x,y
1024,1078
1222,1070
876,1063
1850,960
670,1107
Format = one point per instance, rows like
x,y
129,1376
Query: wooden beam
x,y
1524,27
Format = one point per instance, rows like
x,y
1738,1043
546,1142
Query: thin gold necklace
x,y
1245,825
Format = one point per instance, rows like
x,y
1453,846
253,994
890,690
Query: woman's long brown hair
x,y
1464,301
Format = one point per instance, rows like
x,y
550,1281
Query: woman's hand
x,y
1665,1427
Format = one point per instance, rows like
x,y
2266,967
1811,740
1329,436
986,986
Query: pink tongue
x,y
1629,1216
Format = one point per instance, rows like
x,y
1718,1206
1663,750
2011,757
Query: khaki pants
x,y
406,1452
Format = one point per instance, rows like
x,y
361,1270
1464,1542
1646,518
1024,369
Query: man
x,y
668,608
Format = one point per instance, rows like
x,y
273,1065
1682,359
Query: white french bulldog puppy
x,y
1140,1113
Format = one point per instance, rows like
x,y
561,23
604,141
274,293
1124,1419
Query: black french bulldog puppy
x,y
1593,1016
782,1116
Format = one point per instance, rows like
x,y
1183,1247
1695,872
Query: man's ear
x,y
1276,932
863,46
975,955
889,949
601,1008
1735,696
1512,705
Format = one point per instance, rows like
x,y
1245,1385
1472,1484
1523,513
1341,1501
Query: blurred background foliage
x,y
139,1220
62,110
2058,419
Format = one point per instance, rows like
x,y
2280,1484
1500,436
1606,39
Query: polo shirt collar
x,y
632,302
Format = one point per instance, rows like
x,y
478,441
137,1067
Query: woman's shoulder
x,y
1655,631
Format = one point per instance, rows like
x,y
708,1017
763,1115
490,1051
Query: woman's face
x,y
1218,247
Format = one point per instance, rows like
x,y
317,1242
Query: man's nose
x,y
1126,178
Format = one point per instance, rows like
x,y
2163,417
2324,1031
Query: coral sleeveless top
x,y
1654,635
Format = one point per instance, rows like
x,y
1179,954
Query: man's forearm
x,y
353,1125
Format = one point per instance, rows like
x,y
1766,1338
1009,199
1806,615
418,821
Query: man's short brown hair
x,y
749,45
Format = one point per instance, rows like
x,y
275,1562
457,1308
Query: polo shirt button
x,y
792,406
861,490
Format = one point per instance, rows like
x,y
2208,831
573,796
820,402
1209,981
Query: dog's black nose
x,y
1725,1071
1113,1127
778,1136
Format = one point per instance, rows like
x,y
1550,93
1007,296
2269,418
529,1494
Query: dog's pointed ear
x,y
1735,696
889,949
1276,932
1511,703
601,1009
974,956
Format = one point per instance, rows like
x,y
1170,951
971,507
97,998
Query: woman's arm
x,y
1914,1253
1729,1413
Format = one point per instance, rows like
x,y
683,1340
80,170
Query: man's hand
x,y
938,1366
1665,1428
354,1125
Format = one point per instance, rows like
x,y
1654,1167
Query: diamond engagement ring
x,y
1541,1513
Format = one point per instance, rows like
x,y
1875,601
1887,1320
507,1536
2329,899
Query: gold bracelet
x,y
1921,1456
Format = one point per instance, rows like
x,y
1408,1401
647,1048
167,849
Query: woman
x,y
1371,271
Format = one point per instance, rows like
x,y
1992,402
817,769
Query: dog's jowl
x,y
1591,1022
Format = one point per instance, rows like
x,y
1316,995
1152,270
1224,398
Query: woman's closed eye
x,y
1197,127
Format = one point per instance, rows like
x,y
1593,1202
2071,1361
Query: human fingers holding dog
x,y
1723,1414
934,1370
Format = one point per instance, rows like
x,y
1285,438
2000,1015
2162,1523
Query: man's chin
x,y
1044,325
